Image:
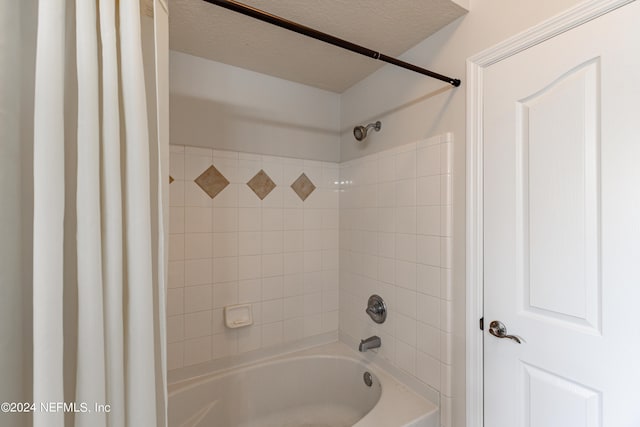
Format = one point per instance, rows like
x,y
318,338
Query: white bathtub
x,y
318,387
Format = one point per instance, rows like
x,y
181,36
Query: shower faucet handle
x,y
376,309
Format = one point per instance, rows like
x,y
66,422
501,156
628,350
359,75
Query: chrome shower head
x,y
360,132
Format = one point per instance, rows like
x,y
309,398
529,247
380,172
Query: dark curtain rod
x,y
327,38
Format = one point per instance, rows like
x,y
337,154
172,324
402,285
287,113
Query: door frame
x,y
476,66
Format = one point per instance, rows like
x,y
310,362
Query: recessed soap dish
x,y
237,316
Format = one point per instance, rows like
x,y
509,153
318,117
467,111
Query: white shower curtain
x,y
106,347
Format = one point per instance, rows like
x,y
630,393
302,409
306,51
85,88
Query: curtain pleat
x,y
139,338
90,371
162,188
48,217
112,256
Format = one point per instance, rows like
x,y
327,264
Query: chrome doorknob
x,y
497,329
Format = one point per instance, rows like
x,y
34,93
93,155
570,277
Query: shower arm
x,y
375,125
327,38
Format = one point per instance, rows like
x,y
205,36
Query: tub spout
x,y
369,343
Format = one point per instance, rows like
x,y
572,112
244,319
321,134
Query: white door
x,y
562,229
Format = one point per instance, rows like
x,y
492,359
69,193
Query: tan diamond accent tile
x,y
212,181
171,179
261,184
303,187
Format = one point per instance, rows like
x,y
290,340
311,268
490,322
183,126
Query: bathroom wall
x,y
395,241
17,57
214,105
279,254
413,107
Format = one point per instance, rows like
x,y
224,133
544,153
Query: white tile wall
x,y
279,254
380,224
395,241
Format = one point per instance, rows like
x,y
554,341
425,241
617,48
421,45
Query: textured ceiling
x,y
387,26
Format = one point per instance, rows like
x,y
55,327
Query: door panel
x,y
558,150
562,229
580,406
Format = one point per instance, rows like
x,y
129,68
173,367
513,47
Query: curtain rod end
x,y
455,82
